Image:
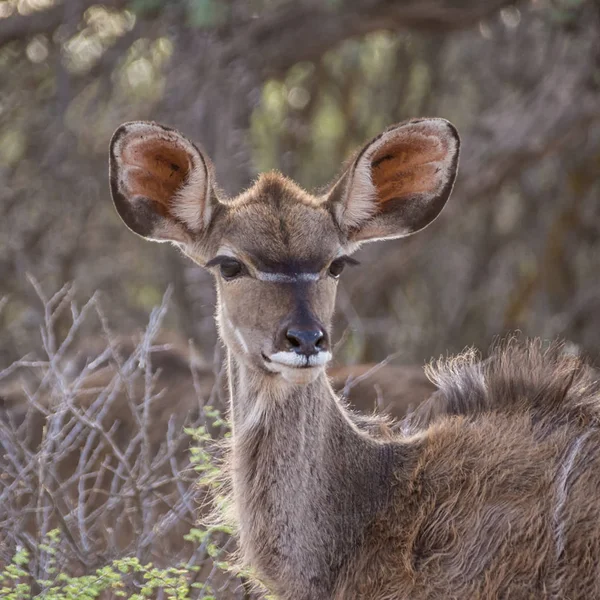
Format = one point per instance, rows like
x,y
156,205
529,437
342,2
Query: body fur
x,y
492,495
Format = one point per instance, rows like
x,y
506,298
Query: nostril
x,y
293,339
320,340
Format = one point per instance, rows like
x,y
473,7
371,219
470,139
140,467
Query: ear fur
x,y
161,184
399,182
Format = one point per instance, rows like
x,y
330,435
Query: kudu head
x,y
275,250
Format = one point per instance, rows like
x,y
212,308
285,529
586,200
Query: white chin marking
x,y
299,361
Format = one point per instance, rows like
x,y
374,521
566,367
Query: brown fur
x,y
496,496
490,490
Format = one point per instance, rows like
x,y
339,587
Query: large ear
x,y
160,182
399,182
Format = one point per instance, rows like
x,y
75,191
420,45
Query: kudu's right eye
x,y
230,267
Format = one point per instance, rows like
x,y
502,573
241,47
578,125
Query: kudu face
x,y
275,250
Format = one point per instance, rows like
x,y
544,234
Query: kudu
x,y
494,496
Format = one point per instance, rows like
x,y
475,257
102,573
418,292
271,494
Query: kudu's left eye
x,y
336,267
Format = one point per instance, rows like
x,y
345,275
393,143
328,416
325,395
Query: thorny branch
x,y
97,452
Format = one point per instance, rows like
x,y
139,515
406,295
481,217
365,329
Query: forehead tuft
x,y
275,188
281,226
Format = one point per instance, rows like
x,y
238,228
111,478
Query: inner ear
x,y
405,166
156,169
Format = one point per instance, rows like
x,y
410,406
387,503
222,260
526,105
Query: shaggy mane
x,y
546,381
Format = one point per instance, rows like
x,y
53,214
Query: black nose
x,y
305,341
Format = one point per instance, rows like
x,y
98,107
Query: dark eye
x,y
336,267
231,268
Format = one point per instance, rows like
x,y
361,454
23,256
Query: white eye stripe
x,y
283,278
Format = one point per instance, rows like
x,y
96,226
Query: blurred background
x,y
91,420
297,86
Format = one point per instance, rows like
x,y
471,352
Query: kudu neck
x,y
304,477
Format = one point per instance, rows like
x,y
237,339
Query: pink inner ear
x,y
409,164
154,168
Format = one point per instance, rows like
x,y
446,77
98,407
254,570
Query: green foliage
x,y
127,577
207,13
176,582
144,7
202,453
199,13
